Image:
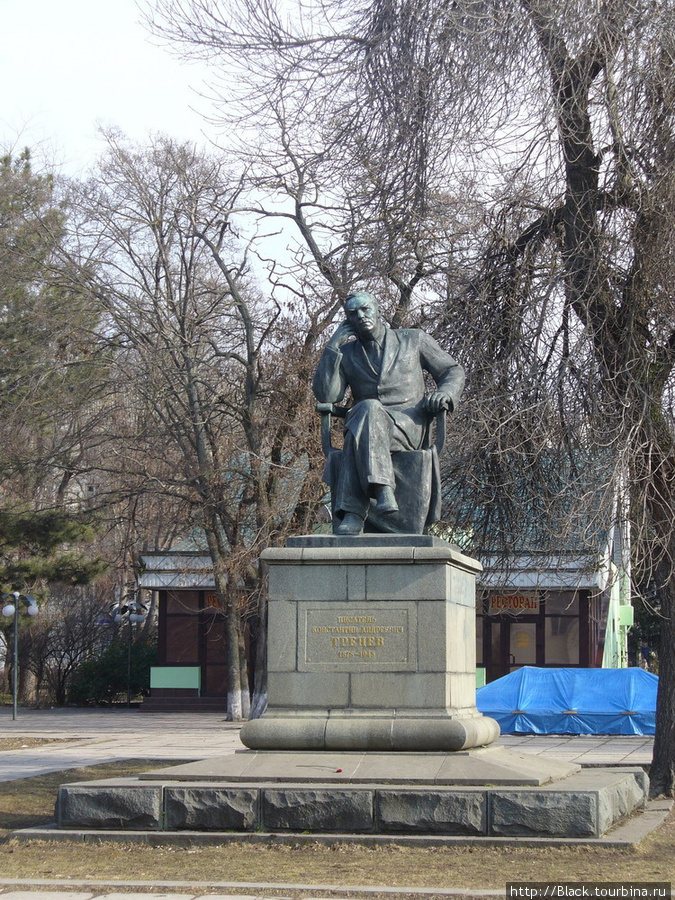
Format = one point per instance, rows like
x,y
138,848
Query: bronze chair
x,y
417,475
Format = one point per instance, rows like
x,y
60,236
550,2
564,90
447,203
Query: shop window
x,y
182,640
561,641
523,643
216,681
495,644
216,650
564,604
182,603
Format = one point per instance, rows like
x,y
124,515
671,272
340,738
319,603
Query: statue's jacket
x,y
399,383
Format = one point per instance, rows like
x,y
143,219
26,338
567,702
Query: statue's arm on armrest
x,y
446,372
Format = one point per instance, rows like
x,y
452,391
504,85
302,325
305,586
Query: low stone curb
x,y
326,892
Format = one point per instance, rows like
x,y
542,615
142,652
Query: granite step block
x,y
587,804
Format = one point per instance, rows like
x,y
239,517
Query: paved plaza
x,y
87,737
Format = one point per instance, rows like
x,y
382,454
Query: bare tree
x,y
206,366
73,626
555,120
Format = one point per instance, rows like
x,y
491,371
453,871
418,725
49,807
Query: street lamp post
x,y
10,610
132,611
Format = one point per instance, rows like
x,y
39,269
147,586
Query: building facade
x,y
569,611
191,673
564,613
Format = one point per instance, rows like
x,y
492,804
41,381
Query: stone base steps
x,y
628,834
584,805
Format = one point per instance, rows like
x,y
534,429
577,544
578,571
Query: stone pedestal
x,y
371,646
371,654
488,793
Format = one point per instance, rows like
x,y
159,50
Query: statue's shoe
x,y
351,524
386,501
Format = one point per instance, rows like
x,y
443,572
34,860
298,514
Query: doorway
x,y
510,643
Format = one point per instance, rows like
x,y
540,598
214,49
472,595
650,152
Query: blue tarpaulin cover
x,y
572,701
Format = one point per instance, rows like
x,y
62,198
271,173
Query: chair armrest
x,y
333,409
326,410
441,419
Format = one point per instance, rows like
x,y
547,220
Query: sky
x,y
70,66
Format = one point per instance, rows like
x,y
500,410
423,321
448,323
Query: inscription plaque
x,y
358,639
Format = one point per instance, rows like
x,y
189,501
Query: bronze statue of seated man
x,y
389,419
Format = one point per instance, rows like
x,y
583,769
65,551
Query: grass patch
x,y
31,801
472,868
28,743
28,802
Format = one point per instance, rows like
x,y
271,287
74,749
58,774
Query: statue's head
x,y
363,313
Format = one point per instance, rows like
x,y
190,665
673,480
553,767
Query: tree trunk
x,y
228,599
243,676
632,380
259,701
235,705
26,692
662,771
26,685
